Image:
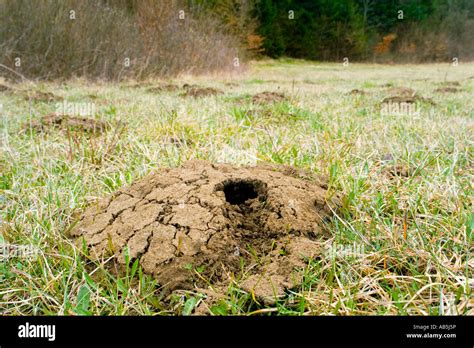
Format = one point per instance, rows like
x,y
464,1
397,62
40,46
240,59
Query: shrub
x,y
110,39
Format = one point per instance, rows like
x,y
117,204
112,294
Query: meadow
x,y
401,243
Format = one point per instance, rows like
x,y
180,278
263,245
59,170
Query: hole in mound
x,y
238,191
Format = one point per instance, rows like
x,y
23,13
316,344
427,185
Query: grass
x,y
415,232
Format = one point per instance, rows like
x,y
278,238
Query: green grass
x,y
415,231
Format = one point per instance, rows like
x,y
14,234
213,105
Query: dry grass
x,y
405,229
111,40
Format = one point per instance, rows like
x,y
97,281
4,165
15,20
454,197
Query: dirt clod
x,y
268,97
75,123
199,222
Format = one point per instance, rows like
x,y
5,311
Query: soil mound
x,y
447,90
44,97
357,92
163,88
268,97
231,84
400,95
401,92
451,83
136,85
203,222
198,92
75,123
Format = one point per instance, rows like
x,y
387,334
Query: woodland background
x,y
115,39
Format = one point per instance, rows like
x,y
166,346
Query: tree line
x,y
412,30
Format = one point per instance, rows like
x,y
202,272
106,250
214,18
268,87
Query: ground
x,y
401,242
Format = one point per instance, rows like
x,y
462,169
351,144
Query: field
x,y
401,243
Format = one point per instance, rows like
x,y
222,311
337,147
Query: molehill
x,y
204,222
